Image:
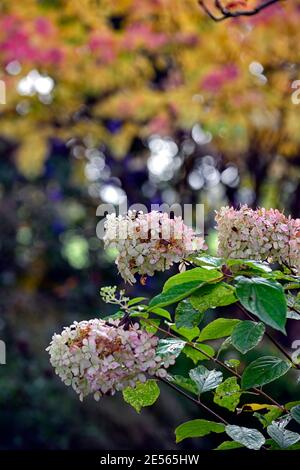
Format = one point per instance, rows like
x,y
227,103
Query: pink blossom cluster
x,y
258,234
149,242
99,358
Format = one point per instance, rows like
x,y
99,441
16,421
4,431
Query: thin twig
x,y
194,400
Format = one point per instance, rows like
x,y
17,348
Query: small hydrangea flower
x,y
149,242
258,234
99,358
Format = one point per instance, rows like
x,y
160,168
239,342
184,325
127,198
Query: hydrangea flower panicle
x,y
149,242
95,357
265,235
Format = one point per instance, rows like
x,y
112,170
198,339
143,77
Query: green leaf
x,y
282,436
295,412
232,363
265,299
151,327
250,265
188,333
183,382
195,275
263,371
186,315
174,294
197,428
143,394
212,296
246,335
229,445
181,285
161,312
218,329
196,355
267,418
205,379
136,300
206,260
169,347
291,404
250,438
228,394
274,446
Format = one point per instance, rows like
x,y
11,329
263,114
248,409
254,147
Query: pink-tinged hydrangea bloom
x,y
149,242
258,234
99,358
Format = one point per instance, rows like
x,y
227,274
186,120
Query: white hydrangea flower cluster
x,y
99,358
258,234
149,242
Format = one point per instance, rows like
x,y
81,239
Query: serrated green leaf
x,y
263,371
218,329
228,394
169,347
295,412
246,335
229,445
197,428
196,355
282,436
143,394
264,298
186,315
205,379
250,438
212,296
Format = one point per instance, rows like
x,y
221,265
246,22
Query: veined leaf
x,y
229,445
228,394
295,412
218,329
263,371
250,438
198,275
143,394
282,436
186,315
183,382
264,298
196,355
205,379
246,335
169,347
212,296
197,428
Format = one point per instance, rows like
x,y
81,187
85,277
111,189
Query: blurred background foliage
x,y
148,99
